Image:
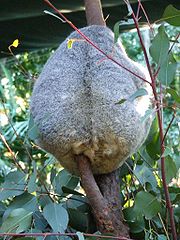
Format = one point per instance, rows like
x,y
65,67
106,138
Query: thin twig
x,y
12,154
153,81
169,125
94,45
60,234
176,38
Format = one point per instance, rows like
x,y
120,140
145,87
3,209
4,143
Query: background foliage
x,y
38,196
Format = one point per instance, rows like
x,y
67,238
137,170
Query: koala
x,y
74,103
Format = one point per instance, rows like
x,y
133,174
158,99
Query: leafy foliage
x,y
37,195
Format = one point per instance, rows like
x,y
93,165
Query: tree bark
x,y
94,14
105,203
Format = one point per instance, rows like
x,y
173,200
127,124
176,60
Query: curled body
x,y
74,103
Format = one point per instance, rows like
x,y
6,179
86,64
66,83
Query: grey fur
x,y
73,103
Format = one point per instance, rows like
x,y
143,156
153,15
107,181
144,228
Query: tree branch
x,y
94,14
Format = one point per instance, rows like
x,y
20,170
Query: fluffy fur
x,y
74,103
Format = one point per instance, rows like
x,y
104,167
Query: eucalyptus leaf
x,y
160,46
171,15
146,204
32,186
78,220
80,235
13,185
144,175
18,221
26,201
39,221
71,191
173,94
116,31
161,237
139,93
170,169
33,131
56,216
167,70
65,179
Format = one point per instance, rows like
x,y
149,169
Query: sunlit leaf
x,y
167,70
80,235
26,201
70,43
14,185
173,94
139,93
116,31
170,169
160,46
171,15
15,43
33,131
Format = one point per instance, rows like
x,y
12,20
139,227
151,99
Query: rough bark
x,y
109,185
105,203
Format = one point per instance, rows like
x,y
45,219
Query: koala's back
x,y
74,103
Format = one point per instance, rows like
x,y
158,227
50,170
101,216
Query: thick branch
x,y
94,14
109,185
106,205
96,200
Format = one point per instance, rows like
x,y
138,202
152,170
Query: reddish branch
x,y
60,234
94,45
160,123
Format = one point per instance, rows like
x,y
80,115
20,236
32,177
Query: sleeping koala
x,y
74,106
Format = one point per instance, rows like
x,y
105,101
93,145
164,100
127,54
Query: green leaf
x,y
144,175
170,169
146,204
71,191
26,201
173,94
147,115
64,178
78,220
14,185
18,221
167,70
32,186
171,15
80,235
162,237
160,46
39,221
2,208
121,101
137,226
33,131
116,31
129,214
56,216
139,93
